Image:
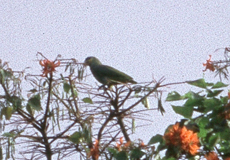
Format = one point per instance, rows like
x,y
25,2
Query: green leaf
x,y
173,96
35,103
4,74
136,153
133,125
160,107
192,95
113,151
7,112
87,100
225,134
75,137
137,89
219,85
199,83
122,156
224,100
9,134
156,139
87,134
66,87
193,102
211,104
29,109
202,133
145,102
213,140
213,93
75,94
192,126
184,111
203,121
16,102
80,75
162,146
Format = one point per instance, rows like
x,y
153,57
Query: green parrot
x,y
107,75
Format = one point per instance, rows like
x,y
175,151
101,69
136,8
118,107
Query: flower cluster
x,y
94,152
49,66
211,156
120,145
209,64
183,138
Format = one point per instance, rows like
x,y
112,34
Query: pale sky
x,y
152,38
145,38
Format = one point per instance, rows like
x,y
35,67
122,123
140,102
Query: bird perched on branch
x,y
107,75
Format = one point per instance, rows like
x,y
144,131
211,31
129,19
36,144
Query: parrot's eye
x,y
88,59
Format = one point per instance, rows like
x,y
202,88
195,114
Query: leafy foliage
x,y
208,113
62,116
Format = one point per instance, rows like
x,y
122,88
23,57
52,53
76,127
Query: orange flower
x,y
185,139
142,145
119,145
228,158
94,152
49,66
190,141
121,140
228,94
127,144
209,64
211,156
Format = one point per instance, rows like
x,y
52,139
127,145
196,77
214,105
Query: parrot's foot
x,y
102,87
105,88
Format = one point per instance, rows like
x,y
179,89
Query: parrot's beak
x,y
85,64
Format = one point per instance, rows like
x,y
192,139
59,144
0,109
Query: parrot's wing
x,y
112,74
